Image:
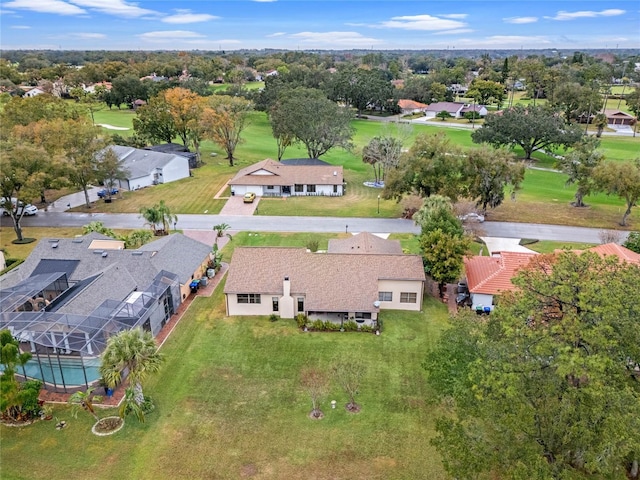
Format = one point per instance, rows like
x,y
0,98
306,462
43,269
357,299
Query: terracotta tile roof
x,y
406,104
364,242
492,275
329,282
623,253
270,172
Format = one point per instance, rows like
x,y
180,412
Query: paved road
x,y
310,224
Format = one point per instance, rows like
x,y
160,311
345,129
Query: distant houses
x,y
455,109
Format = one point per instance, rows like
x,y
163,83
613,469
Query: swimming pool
x,y
67,372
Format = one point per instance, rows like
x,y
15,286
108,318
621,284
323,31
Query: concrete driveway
x,y
236,206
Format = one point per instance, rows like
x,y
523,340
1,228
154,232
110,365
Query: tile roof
x,y
270,172
492,275
623,253
406,104
364,242
329,282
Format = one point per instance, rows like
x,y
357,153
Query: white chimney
x,y
286,287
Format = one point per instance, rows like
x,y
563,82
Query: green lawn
x,y
229,405
550,246
541,192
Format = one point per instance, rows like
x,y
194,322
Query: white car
x,y
472,217
28,209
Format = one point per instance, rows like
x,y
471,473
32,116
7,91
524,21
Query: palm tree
x,y
152,216
129,405
85,400
166,216
221,231
134,351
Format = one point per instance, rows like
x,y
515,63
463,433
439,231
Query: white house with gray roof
x,y
147,167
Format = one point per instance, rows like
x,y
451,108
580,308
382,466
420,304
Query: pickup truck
x,y
104,192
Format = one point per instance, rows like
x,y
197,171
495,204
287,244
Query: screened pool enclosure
x,y
66,347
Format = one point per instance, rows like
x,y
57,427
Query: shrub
x,y
350,326
313,245
30,405
273,317
318,325
633,242
331,327
301,320
366,328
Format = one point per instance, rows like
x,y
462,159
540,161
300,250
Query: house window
x,y
269,187
385,296
248,298
299,188
300,304
311,189
363,315
335,189
274,302
408,297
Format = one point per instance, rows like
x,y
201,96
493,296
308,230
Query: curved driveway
x,y
310,224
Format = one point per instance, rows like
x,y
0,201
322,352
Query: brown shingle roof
x,y
270,172
492,275
364,242
330,282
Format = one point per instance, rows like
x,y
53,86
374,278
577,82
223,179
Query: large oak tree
x,y
548,387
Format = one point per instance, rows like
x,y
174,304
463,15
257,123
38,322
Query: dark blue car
x,y
103,193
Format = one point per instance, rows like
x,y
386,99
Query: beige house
x,y
327,286
303,177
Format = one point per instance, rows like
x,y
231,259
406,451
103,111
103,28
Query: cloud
x,y
421,22
164,35
20,27
342,39
277,34
186,16
457,16
520,20
46,6
118,8
454,31
562,15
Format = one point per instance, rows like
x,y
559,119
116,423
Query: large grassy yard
x,y
230,405
543,196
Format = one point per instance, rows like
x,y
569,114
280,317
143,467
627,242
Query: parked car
x,y
26,210
472,217
104,192
249,197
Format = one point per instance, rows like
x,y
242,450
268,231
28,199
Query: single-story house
x,y
455,109
71,294
365,242
457,89
411,106
489,276
327,286
272,178
177,149
146,167
618,117
34,92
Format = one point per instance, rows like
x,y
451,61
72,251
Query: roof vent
x,y
77,240
99,251
136,252
335,174
104,254
54,245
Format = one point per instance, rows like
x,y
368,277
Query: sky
x,y
318,25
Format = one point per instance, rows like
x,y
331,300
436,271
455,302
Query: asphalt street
x,y
309,224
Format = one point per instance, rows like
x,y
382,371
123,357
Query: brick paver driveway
x,y
235,206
